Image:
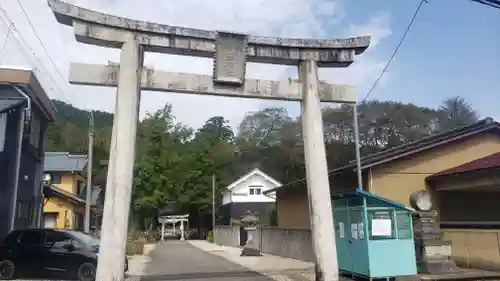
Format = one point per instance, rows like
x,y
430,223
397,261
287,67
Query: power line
x,y
397,48
42,44
30,55
491,3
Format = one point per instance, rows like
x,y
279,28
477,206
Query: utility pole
x,y
88,195
213,201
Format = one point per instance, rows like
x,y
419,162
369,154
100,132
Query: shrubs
x,y
210,236
135,246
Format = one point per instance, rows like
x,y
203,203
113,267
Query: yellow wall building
x,y
466,200
64,204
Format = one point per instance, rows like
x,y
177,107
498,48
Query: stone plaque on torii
x,y
231,52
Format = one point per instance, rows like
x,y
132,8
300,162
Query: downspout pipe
x,y
24,118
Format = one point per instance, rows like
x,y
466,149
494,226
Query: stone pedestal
x,y
251,249
432,252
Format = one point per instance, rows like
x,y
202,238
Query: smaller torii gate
x,y
174,219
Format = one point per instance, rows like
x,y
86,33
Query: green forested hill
x,y
70,132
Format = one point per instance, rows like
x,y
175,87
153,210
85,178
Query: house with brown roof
x,y
460,170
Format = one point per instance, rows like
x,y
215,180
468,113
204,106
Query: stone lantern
x,y
250,222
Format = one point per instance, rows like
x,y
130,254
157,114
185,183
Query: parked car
x,y
59,251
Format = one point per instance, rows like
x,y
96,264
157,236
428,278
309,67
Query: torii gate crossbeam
x,y
231,52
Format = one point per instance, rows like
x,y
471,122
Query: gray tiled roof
x,y
64,162
6,104
62,192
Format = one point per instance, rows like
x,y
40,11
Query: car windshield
x,y
86,238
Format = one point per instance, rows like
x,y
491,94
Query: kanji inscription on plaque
x,y
230,58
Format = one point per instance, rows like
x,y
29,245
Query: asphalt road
x,y
177,260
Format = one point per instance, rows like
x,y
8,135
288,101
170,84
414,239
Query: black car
x,y
58,251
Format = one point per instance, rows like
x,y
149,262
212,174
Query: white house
x,y
247,194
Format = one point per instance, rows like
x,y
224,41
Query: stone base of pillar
x,y
250,249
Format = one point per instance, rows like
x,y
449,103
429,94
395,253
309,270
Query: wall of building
x,y
67,183
30,173
26,193
292,206
397,179
259,209
469,206
66,211
241,192
7,157
475,248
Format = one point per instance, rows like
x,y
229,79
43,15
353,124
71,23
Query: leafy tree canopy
x,y
175,163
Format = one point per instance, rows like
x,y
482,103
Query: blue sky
x,y
452,49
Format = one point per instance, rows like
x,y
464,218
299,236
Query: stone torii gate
x,y
174,219
230,51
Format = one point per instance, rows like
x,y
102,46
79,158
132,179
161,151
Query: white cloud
x,y
293,18
368,66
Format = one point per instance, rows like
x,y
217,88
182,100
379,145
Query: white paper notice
x,y
361,230
381,227
354,230
341,230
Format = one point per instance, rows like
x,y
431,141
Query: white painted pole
x,y
182,230
163,231
318,188
111,263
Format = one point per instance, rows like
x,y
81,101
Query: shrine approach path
x,y
178,260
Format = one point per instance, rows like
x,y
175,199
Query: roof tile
x,y
64,162
491,161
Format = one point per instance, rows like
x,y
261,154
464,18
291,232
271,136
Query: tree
x,y
175,164
162,167
218,128
456,112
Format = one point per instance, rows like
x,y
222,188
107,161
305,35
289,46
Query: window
x,y
55,178
26,211
255,189
13,237
57,239
35,131
79,188
404,227
32,237
19,210
3,130
79,221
